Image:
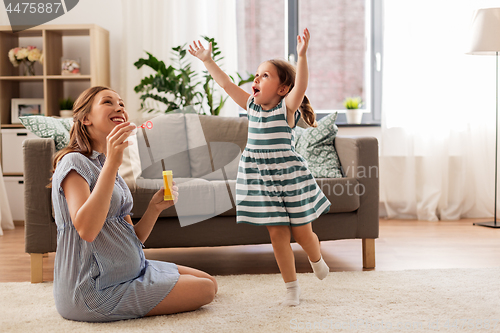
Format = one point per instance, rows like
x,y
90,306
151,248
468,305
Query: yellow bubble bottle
x,y
167,181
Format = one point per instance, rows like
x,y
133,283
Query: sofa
x,y
203,153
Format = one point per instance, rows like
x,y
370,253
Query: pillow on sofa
x,y
49,127
168,143
58,130
131,168
215,142
315,144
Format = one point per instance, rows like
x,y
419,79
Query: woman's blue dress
x,y
108,279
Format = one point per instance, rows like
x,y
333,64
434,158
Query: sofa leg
x,y
36,267
368,252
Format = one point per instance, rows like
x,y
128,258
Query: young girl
x,y
274,187
100,272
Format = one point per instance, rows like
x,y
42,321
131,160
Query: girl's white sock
x,y
320,268
292,294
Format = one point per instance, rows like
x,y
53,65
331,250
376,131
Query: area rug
x,y
450,300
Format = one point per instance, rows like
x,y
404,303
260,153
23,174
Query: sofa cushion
x,y
199,197
131,169
203,199
343,193
196,197
225,196
56,129
315,144
227,137
168,141
225,129
225,160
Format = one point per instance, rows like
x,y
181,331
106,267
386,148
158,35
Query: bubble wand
x,y
148,124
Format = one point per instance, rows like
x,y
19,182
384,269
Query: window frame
x,y
373,58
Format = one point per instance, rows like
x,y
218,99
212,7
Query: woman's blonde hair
x,y
286,74
79,138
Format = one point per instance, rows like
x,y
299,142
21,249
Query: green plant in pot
x,y
170,88
177,86
66,107
353,112
209,84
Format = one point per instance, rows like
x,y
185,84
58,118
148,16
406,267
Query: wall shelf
x,y
48,84
51,82
22,78
69,77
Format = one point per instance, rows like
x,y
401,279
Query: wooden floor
x,y
403,244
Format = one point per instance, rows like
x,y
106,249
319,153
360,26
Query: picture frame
x,y
26,107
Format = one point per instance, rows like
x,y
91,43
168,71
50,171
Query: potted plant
x,y
66,107
353,112
209,84
178,86
169,88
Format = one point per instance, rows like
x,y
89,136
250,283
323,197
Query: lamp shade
x,y
485,39
485,32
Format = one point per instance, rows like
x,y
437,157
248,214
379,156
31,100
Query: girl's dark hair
x,y
79,138
286,74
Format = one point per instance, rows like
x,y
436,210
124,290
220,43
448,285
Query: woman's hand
x,y
116,142
200,52
156,206
303,43
159,204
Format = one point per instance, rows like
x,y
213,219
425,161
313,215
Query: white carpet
x,y
416,301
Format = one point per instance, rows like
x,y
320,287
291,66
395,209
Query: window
x,y
342,58
261,32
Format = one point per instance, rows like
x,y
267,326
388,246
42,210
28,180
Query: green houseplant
x,y
176,87
209,84
352,103
66,107
353,112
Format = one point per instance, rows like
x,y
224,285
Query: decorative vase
x,y
354,116
29,68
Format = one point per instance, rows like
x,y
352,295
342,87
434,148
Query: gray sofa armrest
x,y
40,228
359,159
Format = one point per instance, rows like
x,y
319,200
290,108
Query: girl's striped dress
x,y
274,185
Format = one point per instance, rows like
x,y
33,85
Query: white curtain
x,y
156,26
438,130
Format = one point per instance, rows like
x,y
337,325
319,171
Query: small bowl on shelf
x,y
70,66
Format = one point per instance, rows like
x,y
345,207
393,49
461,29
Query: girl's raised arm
x,y
295,97
237,94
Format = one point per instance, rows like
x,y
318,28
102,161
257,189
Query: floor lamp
x,y
486,41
